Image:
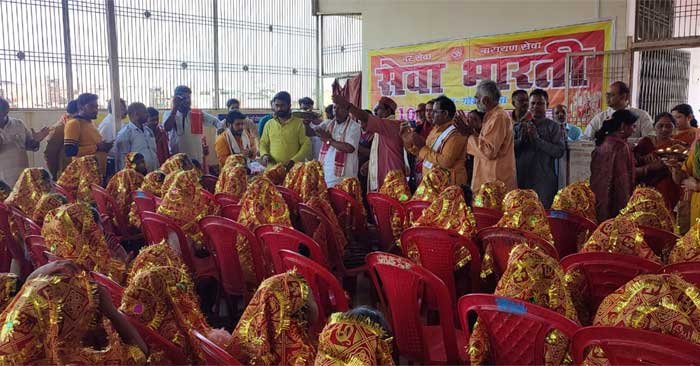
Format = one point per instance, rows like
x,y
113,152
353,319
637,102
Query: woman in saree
x,y
72,232
47,203
646,208
78,177
395,186
124,183
663,303
31,185
357,337
687,248
306,179
153,184
432,185
622,236
522,211
60,317
351,186
491,195
536,277
9,286
176,163
685,123
276,174
273,329
233,178
650,170
577,198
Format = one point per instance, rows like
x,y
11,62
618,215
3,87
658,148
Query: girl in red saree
x,y
687,249
491,195
395,186
47,203
430,187
125,182
646,207
576,198
619,235
233,178
31,185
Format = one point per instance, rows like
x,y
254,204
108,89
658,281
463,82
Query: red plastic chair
x,y
629,346
209,183
66,193
223,199
221,235
208,196
106,206
690,271
214,354
415,209
436,249
26,226
311,221
486,217
660,241
36,246
402,287
516,329
502,240
569,230
156,342
606,272
383,208
144,201
12,248
328,293
231,212
116,291
349,211
277,237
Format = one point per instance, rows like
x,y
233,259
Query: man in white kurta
x,y
15,140
340,138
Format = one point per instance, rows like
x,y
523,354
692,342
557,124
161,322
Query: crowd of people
x,y
455,161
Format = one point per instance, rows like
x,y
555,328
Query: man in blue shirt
x,y
263,121
137,137
573,133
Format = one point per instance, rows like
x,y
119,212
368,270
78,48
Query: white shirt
x,y
352,137
181,138
133,139
108,129
15,140
645,126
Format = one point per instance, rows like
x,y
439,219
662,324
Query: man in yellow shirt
x,y
284,137
81,137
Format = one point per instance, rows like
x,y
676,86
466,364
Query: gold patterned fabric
x,y
47,323
348,340
235,159
351,186
176,163
71,232
491,195
622,236
687,249
448,211
646,207
357,221
183,203
30,186
577,198
120,187
273,327
533,276
232,180
9,285
306,179
523,210
659,303
395,186
154,255
276,174
47,203
430,187
79,175
153,183
5,191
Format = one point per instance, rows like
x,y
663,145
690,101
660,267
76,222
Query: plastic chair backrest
x,y
383,208
26,226
231,212
214,354
223,199
348,210
415,209
517,330
155,341
660,241
156,228
36,245
209,182
276,237
629,346
436,249
401,286
690,271
328,292
144,201
311,221
606,272
62,190
107,207
116,291
208,196
50,257
221,235
486,217
502,240
569,230
291,198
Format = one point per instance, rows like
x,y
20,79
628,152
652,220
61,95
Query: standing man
x,y
15,141
340,138
233,104
491,144
445,147
234,139
571,132
137,137
538,144
108,129
81,137
284,137
306,104
386,153
521,105
185,126
162,143
618,97
56,159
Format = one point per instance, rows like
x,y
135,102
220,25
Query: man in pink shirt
x,y
387,151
